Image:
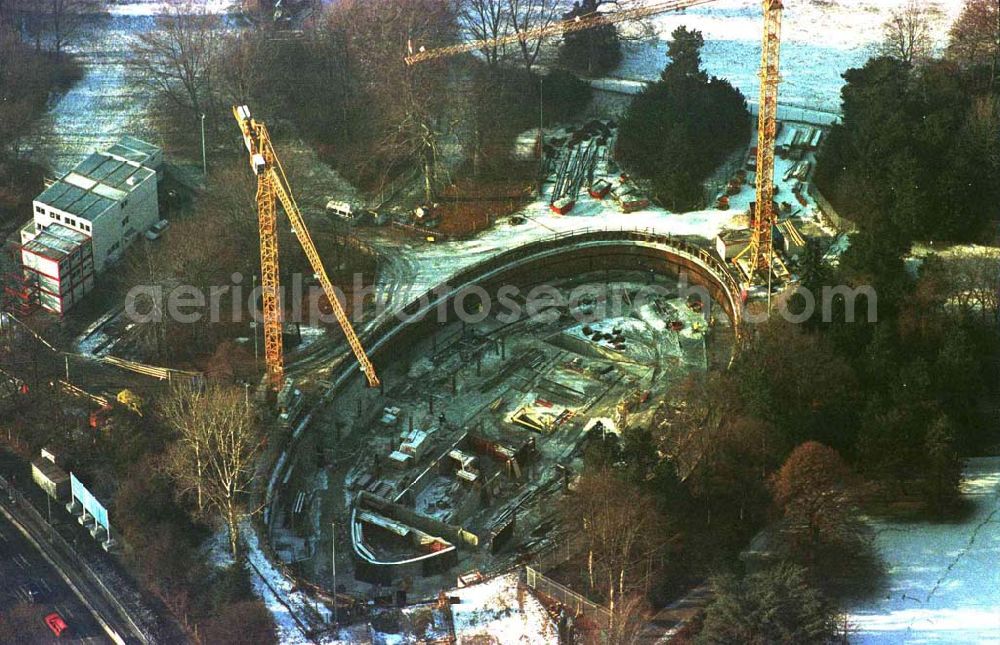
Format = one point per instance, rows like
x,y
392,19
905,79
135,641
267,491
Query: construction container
x,y
563,205
50,478
600,189
729,244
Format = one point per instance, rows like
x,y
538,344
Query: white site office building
x,y
84,221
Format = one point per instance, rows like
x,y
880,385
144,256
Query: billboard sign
x,y
89,503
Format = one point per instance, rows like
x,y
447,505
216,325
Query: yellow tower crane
x,y
758,260
273,187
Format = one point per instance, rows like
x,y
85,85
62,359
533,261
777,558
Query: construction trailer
x,y
49,476
730,244
83,222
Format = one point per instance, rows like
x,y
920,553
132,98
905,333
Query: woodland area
x,y
344,87
818,422
915,156
33,67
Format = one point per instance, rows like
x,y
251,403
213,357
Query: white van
x,y
342,210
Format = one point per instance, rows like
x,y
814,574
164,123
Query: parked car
x,y
156,230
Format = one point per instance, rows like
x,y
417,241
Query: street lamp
x,y
204,160
333,567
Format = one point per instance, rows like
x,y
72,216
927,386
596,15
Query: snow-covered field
x,y
820,40
944,579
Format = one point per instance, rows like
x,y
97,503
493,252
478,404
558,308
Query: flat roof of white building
x,y
55,242
95,184
136,150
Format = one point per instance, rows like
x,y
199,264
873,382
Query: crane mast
x,y
273,187
758,260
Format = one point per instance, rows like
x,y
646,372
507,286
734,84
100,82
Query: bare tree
x,y
215,456
64,18
242,68
975,37
178,57
412,101
621,533
529,14
487,20
975,283
907,34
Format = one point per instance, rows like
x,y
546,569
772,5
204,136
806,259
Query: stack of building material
x,y
628,197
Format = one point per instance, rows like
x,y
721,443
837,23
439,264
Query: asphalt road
x,y
23,567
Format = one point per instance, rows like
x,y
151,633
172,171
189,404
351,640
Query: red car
x,y
56,624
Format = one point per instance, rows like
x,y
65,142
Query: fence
x,y
573,601
161,373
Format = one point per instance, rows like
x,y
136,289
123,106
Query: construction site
x,y
450,449
460,463
419,447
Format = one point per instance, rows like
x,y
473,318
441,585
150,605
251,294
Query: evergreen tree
x,y
775,606
679,129
914,154
684,52
944,466
594,51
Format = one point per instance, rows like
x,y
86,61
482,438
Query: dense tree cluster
x,y
772,606
345,87
679,129
29,74
915,155
504,102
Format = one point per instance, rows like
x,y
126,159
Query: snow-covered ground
x,y
497,611
944,579
820,40
423,266
105,104
157,7
109,101
280,597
